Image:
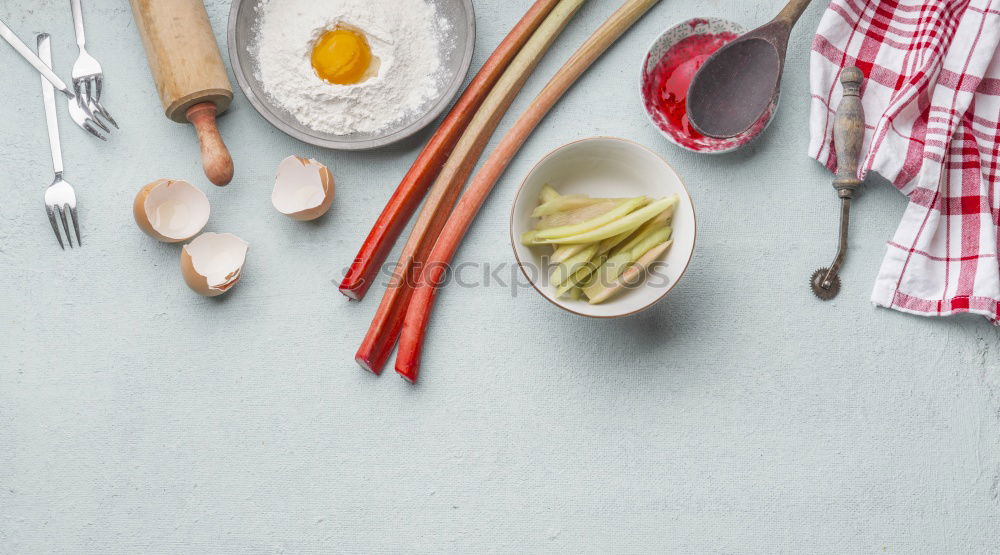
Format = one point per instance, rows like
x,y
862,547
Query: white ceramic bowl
x,y
605,167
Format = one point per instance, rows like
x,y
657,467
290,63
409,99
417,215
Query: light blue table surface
x,y
739,415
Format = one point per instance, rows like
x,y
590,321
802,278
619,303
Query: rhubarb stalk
x,y
406,198
419,310
387,323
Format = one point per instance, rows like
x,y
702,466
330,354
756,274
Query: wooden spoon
x,y
734,87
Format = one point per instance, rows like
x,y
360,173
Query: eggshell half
x,y
303,189
171,210
213,262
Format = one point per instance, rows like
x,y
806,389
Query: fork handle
x,y
33,59
49,97
81,38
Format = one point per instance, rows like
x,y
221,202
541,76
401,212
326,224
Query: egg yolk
x,y
342,56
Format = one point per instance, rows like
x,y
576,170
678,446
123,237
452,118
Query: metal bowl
x,y
457,59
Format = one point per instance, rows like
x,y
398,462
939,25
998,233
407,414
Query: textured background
x,y
739,415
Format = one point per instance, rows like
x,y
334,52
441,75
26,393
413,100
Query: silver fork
x,y
88,77
59,197
80,115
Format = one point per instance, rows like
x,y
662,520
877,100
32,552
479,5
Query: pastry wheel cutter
x,y
848,134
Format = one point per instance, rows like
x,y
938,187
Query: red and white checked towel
x,y
932,109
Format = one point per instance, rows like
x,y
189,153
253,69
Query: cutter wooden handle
x,y
849,132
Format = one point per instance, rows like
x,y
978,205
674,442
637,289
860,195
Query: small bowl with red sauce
x,y
672,60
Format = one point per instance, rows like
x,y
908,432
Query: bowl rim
x,y
632,144
642,88
432,114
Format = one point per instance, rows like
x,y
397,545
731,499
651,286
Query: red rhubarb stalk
x,y
419,310
388,320
406,198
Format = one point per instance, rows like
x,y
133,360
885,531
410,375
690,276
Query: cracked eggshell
x,y
303,189
213,262
171,210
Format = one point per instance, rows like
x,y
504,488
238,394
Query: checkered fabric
x,y
932,109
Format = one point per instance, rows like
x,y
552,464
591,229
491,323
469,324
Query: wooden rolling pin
x,y
190,76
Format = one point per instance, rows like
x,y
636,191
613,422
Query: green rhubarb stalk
x,y
631,275
576,216
643,235
612,242
563,252
661,220
581,276
620,211
627,255
589,270
590,277
548,194
564,271
629,223
567,203
609,217
571,202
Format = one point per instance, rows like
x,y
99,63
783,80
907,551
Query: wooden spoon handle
x,y
215,156
849,132
792,10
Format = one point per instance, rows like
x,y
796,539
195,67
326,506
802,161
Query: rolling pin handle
x,y
215,156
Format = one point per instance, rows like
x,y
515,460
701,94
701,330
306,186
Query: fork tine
x,y
92,100
62,216
55,226
85,102
76,225
86,125
104,113
82,95
92,110
97,122
98,110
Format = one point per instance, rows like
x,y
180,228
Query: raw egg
x,y
342,56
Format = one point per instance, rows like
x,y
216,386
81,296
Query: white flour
x,y
406,35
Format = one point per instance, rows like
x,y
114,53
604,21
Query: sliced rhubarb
x,y
626,256
578,215
631,275
630,222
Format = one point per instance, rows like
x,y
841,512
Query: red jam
x,y
666,86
